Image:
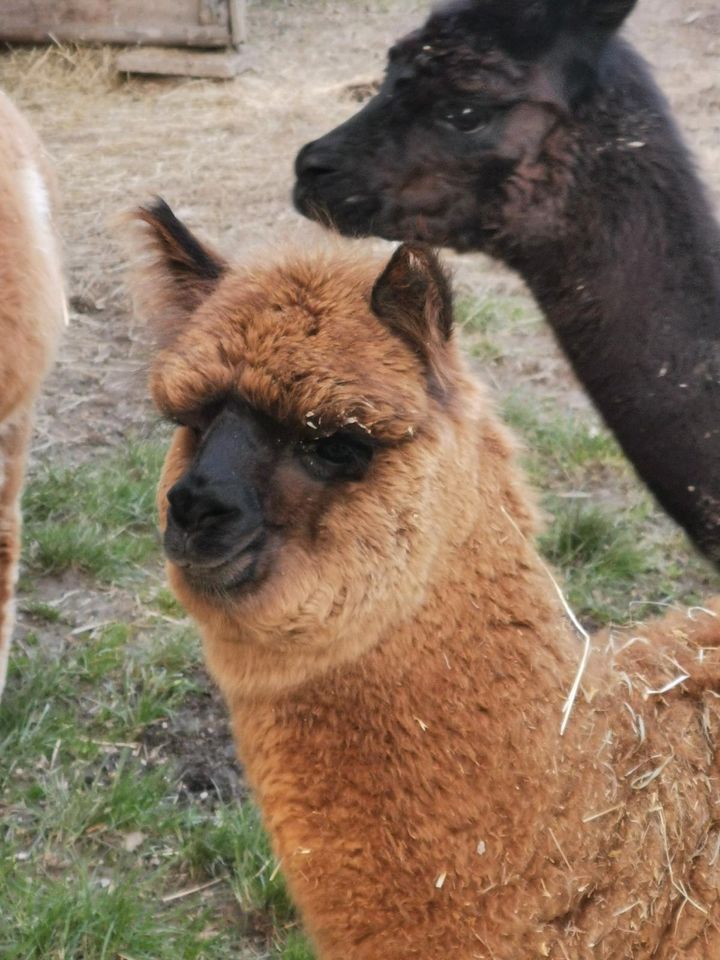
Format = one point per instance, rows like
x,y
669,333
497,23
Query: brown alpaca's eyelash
x,y
352,432
197,419
178,420
172,420
337,456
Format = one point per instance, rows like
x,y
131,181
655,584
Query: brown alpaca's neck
x,y
415,770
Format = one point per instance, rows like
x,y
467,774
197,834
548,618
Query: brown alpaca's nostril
x,y
179,501
211,536
194,503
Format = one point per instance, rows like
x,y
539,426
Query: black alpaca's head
x,y
484,89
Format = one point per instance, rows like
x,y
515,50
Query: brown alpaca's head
x,y
326,453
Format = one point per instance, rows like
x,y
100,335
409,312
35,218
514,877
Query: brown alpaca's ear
x,y
175,275
413,298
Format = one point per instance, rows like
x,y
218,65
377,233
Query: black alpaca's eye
x,y
466,118
340,455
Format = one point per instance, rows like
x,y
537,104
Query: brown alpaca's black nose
x,y
216,530
195,503
210,522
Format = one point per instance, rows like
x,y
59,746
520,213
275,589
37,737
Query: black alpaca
x,y
527,129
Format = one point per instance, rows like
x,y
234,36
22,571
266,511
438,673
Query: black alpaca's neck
x,y
632,291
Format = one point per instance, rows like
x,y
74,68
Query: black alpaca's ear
x,y
175,272
607,14
413,298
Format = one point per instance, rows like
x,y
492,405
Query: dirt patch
x,y
79,606
196,742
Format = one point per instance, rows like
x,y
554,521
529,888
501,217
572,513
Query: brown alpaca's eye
x,y
338,456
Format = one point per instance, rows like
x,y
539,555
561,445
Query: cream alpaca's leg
x,y
14,437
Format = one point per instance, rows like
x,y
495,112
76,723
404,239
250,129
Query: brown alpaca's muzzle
x,y
216,533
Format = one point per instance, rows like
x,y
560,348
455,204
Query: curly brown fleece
x,y
396,682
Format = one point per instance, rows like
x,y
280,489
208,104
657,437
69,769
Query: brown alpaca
x,y
344,519
32,312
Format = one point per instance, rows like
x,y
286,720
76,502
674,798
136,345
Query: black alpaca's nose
x,y
195,503
314,161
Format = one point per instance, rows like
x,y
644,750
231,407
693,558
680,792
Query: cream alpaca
x,y
32,312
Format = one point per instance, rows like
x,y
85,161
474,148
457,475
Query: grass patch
x,y
42,611
479,320
235,844
560,446
296,948
599,556
96,518
590,538
90,918
617,555
95,830
488,314
97,827
104,914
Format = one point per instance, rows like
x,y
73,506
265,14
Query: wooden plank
x,y
168,22
212,12
87,33
182,63
238,21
